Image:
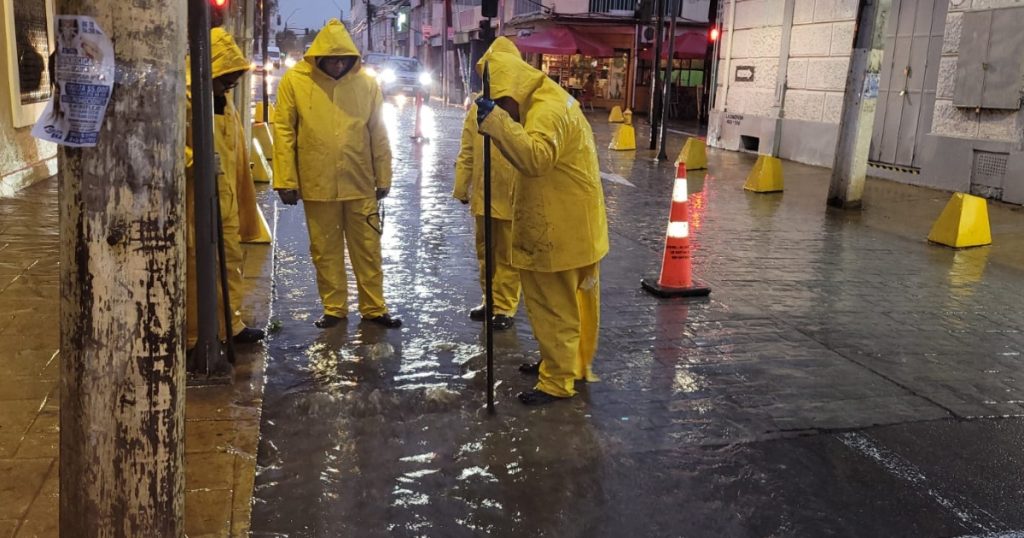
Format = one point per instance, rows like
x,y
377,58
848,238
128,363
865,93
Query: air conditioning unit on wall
x,y
647,35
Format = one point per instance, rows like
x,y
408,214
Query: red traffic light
x,y
220,3
713,34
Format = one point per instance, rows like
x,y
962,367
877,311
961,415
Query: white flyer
x,y
84,81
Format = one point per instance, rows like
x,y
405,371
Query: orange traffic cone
x,y
418,134
676,278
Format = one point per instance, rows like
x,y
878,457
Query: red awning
x,y
563,40
689,46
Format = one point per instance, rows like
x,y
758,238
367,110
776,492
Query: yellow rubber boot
x,y
963,223
766,175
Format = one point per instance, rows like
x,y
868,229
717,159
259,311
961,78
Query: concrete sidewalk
x,y
221,429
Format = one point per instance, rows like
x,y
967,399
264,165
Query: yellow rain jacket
x,y
240,217
559,220
330,141
469,171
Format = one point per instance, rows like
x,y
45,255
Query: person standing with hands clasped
x,y
331,150
559,226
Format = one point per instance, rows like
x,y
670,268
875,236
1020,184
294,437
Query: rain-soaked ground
x,y
845,379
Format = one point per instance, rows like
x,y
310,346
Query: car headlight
x,y
289,63
426,79
388,76
269,66
371,71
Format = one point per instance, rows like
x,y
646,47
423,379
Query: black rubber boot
x,y
536,397
530,368
477,314
327,321
249,335
502,322
386,320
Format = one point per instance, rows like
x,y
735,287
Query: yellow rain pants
x,y
565,313
506,278
333,226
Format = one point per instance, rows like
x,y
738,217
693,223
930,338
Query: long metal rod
x,y
206,357
225,292
488,255
655,110
667,82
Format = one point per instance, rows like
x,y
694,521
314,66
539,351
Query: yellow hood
x,y
333,40
501,44
512,77
226,56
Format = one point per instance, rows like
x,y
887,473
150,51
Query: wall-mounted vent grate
x,y
987,174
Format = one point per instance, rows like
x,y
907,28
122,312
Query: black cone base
x,y
651,286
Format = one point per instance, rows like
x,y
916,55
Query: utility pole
x,y
369,26
265,45
122,273
655,113
445,64
667,82
851,161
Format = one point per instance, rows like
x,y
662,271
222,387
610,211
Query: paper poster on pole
x,y
84,69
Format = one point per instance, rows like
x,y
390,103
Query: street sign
x,y
428,30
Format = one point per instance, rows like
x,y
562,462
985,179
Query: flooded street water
x,y
727,417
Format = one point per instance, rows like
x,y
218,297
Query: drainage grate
x,y
895,168
987,174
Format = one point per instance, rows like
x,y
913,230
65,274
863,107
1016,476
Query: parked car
x,y
404,76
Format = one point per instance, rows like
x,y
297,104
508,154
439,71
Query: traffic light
x,y
713,34
219,4
489,8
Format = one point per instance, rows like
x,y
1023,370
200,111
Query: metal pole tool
x,y
488,255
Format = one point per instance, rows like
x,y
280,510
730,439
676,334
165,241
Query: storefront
x,y
687,76
601,82
592,63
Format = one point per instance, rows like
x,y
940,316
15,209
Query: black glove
x,y
484,106
289,196
382,193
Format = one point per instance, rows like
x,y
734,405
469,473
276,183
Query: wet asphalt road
x,y
843,380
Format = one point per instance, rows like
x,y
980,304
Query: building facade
x,y
949,91
621,79
26,41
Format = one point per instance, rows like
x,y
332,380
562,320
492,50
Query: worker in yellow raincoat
x,y
331,150
240,221
469,188
559,227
